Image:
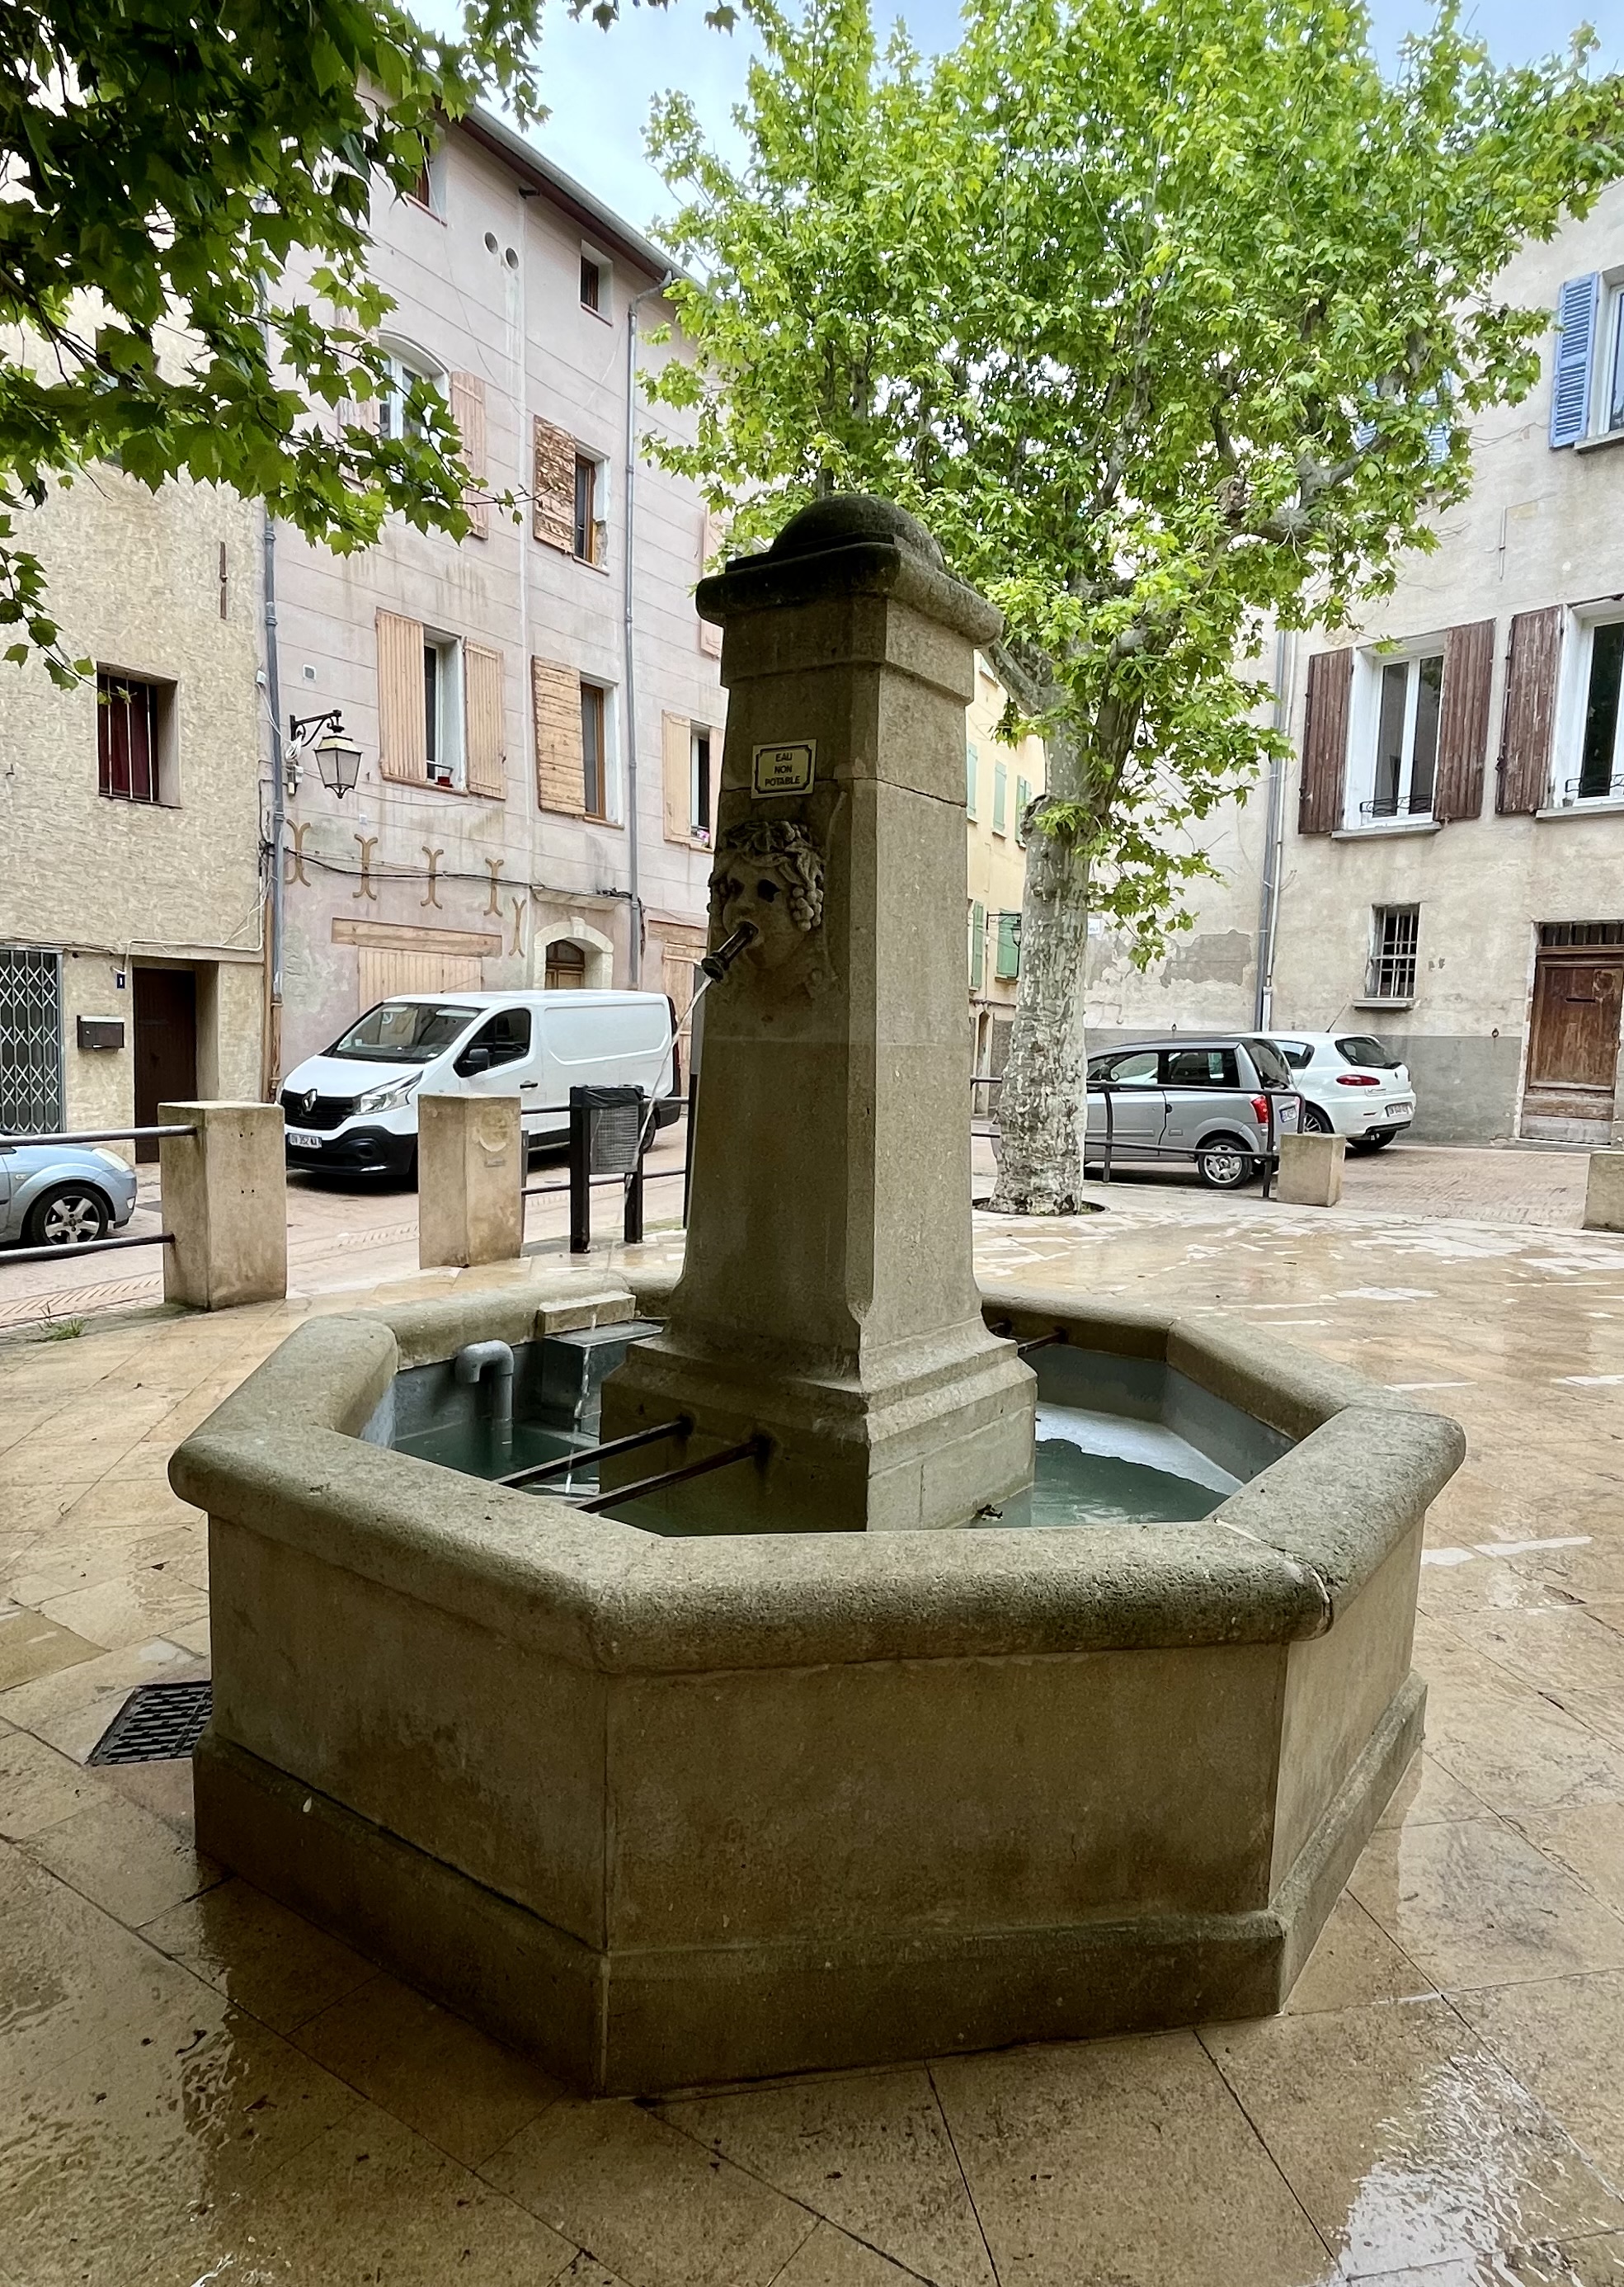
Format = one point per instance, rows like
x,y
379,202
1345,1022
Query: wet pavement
x,y
195,2087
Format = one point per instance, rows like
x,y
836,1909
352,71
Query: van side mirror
x,y
472,1061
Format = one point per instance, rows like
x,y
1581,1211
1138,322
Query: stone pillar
x,y
471,1180
1604,1192
1311,1170
828,1298
223,1190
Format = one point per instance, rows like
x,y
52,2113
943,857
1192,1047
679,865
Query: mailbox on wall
x,y
101,1032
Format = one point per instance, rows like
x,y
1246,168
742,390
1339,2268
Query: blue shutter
x,y
1008,962
1023,796
1570,385
1000,799
978,944
971,759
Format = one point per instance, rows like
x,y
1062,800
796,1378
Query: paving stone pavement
x,y
196,2086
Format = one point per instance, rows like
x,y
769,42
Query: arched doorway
x,y
566,966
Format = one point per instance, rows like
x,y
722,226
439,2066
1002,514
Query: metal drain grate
x,y
158,1724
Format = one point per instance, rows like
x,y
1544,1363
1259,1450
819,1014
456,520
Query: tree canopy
x,y
1170,318
185,193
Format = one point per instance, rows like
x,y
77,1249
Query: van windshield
x,y
404,1032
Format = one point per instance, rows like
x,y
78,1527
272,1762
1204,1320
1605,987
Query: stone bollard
x,y
471,1180
224,1196
1310,1170
1604,1192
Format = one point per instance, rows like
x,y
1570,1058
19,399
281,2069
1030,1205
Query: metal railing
x,y
582,1181
82,1136
1268,1158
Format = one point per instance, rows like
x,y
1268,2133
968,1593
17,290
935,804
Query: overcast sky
x,y
600,84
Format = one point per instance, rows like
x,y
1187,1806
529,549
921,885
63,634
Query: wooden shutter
x,y
481,687
1524,774
1570,375
402,729
676,759
561,771
713,532
467,411
1325,742
553,486
1462,724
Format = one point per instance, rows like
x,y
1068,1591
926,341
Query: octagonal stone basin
x,y
663,1811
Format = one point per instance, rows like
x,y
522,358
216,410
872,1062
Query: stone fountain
x,y
836,1763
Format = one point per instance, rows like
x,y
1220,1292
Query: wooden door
x,y
165,1045
1574,1042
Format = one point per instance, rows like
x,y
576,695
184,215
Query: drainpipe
x,y
526,478
1268,910
632,846
273,1053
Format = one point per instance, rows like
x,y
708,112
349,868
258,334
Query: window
x,y
1299,1054
1554,935
1407,738
1199,1068
429,190
1137,1069
442,752
1368,1054
132,718
588,529
503,1041
1000,799
1394,930
700,786
31,1027
972,763
1600,765
397,416
566,966
594,752
595,284
1271,1067
1007,963
403,1032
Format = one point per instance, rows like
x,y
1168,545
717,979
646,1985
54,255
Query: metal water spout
x,y
470,1365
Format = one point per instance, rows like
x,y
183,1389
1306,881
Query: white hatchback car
x,y
1350,1085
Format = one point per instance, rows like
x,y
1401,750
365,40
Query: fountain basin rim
x,y
282,1459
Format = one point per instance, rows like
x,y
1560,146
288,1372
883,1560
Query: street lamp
x,y
338,758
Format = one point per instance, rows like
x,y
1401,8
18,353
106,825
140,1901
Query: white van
x,y
353,1110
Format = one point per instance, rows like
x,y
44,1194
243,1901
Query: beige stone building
x,y
131,898
999,781
538,707
1442,863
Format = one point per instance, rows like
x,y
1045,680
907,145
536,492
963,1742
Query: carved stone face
x,y
757,889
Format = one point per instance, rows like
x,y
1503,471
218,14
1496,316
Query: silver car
x,y
1206,1100
62,1194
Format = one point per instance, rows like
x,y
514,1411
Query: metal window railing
x,y
1268,1158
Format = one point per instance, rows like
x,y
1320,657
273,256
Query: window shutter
x,y
1325,742
467,411
676,761
978,946
487,758
1023,796
713,532
553,486
402,730
1524,773
560,769
1008,963
1000,799
1570,376
1463,725
972,759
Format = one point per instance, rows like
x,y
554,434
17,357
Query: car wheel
x,y
1315,1122
1224,1163
1375,1139
70,1215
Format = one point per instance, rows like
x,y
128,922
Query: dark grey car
x,y
1205,1099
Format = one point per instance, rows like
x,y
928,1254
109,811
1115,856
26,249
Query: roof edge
x,y
503,142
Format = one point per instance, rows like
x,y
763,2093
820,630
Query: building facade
x,y
1442,864
999,781
538,707
131,960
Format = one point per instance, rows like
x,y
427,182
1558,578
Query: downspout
x,y
1268,910
633,838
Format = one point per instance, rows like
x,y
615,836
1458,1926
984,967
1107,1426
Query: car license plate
x,y
1399,1111
301,1140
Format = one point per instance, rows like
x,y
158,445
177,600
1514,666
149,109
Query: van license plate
x,y
301,1140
